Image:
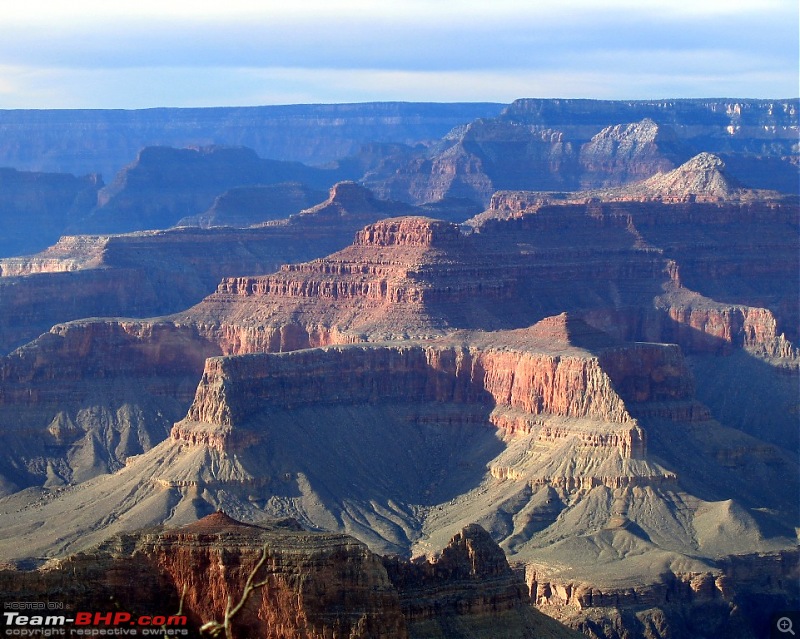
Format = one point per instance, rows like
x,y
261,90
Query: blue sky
x,y
102,54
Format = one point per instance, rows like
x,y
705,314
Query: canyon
x,y
594,376
560,451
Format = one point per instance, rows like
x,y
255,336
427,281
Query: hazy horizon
x,y
149,54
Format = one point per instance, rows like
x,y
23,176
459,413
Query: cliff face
x,y
737,597
470,582
728,269
37,207
137,275
475,160
164,185
81,399
247,205
557,145
625,153
43,140
154,273
639,270
556,398
312,585
740,126
554,429
530,382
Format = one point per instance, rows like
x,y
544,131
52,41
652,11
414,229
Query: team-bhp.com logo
x,y
92,624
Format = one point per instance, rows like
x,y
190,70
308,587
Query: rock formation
x,y
703,178
738,598
590,461
735,126
164,185
248,205
106,140
627,153
475,160
82,398
653,273
154,273
416,277
605,381
557,145
37,207
308,584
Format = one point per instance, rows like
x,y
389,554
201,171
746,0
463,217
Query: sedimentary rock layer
x,y
154,273
642,271
306,584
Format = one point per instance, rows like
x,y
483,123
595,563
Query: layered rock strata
x,y
573,144
164,185
308,584
47,140
738,595
555,428
247,205
154,273
628,152
653,273
82,398
469,582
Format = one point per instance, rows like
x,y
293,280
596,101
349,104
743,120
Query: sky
x,y
150,53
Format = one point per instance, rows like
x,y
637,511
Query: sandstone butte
x,y
587,456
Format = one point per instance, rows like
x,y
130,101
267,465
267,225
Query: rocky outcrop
x,y
653,273
742,130
515,380
470,581
37,207
164,185
475,160
526,381
627,268
740,593
82,398
136,275
305,584
563,145
154,273
554,427
248,205
703,178
351,203
628,152
742,253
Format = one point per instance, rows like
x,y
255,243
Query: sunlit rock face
x,y
304,584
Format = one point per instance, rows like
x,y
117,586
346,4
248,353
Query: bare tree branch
x,y
215,628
